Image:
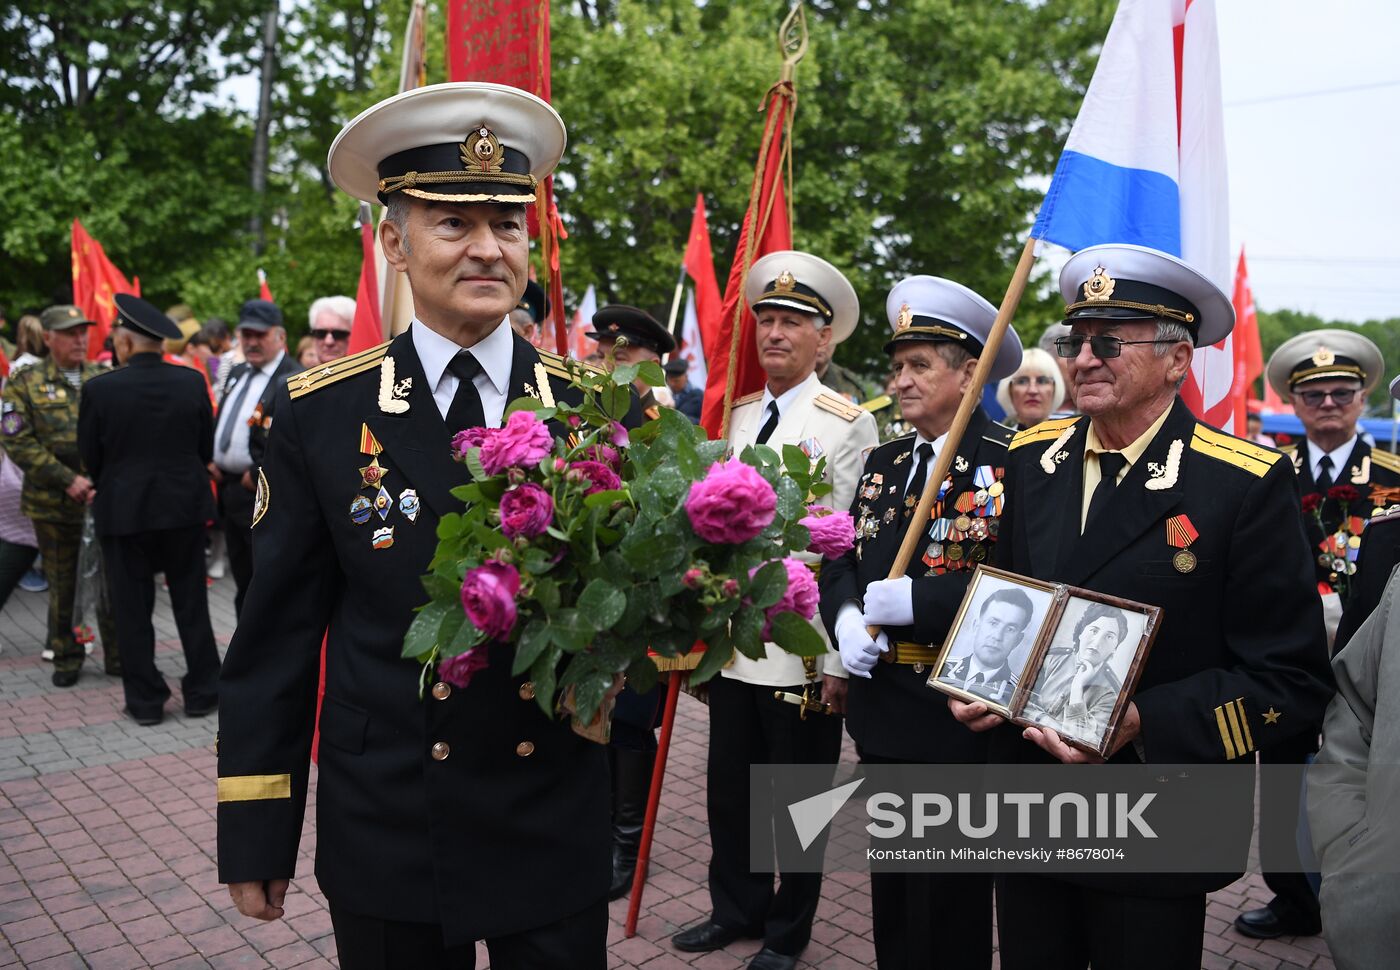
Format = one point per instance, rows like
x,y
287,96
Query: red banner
x,y
367,330
95,282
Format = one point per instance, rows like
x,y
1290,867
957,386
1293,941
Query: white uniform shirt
x,y
495,352
237,458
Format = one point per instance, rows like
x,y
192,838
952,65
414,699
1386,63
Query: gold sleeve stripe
x,y
1233,719
838,406
319,377
1385,459
1255,459
1045,431
1230,754
1244,725
254,788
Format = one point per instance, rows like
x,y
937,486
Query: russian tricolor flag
x,y
1145,161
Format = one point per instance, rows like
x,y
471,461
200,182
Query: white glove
x,y
890,602
858,652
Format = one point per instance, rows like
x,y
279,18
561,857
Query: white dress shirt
x,y
495,353
237,459
784,400
920,440
1339,458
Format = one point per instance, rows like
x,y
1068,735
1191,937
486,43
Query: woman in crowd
x,y
1033,393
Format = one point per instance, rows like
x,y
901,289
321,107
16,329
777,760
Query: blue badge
x,y
360,510
383,502
408,504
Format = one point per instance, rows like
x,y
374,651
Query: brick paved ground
x,y
107,842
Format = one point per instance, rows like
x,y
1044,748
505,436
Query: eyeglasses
x,y
1026,380
1104,346
1341,397
336,335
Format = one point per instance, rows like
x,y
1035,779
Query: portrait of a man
x,y
1082,675
985,660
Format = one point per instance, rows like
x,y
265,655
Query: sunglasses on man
x,y
336,335
1341,397
1104,346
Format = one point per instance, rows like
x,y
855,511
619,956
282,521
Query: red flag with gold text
x,y
95,282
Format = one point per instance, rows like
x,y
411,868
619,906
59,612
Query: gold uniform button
x,y
442,691
524,749
527,691
441,751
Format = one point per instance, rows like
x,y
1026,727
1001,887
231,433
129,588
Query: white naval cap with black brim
x,y
932,309
1123,282
792,280
465,141
1322,354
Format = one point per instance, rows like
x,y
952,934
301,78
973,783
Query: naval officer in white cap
x,y
467,814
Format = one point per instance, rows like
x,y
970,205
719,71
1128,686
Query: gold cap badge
x,y
785,282
905,319
483,151
1099,286
1323,357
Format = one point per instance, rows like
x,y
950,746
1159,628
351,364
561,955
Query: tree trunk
x,y
264,123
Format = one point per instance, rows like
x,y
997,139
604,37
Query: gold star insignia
x,y
326,371
373,473
1271,716
307,380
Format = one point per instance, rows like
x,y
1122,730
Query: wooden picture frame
x,y
1082,668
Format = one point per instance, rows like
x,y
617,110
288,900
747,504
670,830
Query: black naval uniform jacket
x,y
1379,554
1375,474
1241,634
894,714
146,435
468,807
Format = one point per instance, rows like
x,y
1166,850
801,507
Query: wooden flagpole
x,y
919,523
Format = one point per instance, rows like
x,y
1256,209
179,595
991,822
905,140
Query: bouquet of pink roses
x,y
588,548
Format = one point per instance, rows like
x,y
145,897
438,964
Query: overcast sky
x,y
1312,127
1314,195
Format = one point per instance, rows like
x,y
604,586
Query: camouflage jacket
x,y
39,431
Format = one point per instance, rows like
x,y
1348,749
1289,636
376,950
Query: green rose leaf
x,y
651,373
796,635
768,585
711,662
534,640
601,604
474,465
421,638
547,594
642,674
747,631
791,499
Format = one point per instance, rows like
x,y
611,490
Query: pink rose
x,y
458,670
732,504
800,597
526,511
833,533
693,578
488,597
600,477
467,439
608,456
524,441
619,435
730,588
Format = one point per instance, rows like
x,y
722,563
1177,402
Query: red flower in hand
x,y
1311,502
1343,493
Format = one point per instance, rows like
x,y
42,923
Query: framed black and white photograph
x,y
1002,620
1082,678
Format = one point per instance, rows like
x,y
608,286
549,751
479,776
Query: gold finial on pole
x,y
792,39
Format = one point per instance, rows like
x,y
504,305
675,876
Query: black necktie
x,y
915,490
465,411
1110,464
765,432
1324,474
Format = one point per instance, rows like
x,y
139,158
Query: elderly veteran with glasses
x,y
1165,510
1033,393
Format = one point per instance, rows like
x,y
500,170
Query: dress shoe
x,y
145,720
766,959
704,937
1265,924
65,678
203,709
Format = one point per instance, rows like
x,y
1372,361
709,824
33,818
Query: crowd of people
x,y
441,812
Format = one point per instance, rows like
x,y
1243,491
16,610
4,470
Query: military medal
x,y
978,553
1180,534
877,478
953,551
372,474
360,510
383,501
369,445
383,537
978,529
408,504
962,523
889,516
995,489
939,530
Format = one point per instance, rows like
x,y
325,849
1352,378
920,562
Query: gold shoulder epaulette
x,y
876,403
1045,431
559,366
1288,449
1385,459
747,399
839,406
1255,459
315,378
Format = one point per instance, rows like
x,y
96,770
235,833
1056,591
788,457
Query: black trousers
x,y
236,516
1280,798
908,934
749,726
131,563
1047,924
577,942
15,561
